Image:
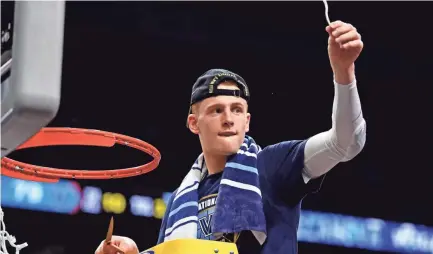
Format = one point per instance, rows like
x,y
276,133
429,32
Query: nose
x,y
228,119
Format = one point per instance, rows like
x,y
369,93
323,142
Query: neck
x,y
215,163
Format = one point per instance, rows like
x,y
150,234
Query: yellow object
x,y
193,246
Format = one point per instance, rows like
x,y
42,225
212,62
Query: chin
x,y
228,152
229,148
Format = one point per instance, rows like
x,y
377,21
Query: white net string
x,y
326,12
6,237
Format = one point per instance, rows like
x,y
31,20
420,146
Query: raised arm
x,y
347,136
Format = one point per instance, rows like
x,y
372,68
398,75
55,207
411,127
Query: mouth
x,y
227,133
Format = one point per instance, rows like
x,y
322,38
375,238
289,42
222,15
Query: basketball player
x,y
288,171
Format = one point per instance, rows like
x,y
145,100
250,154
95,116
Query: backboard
x,y
31,68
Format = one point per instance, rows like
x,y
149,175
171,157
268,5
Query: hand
x,y
125,244
344,47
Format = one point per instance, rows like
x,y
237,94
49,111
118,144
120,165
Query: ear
x,y
193,123
247,126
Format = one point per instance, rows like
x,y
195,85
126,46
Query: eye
x,y
238,110
218,110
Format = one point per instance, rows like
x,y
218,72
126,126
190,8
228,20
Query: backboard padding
x,y
32,91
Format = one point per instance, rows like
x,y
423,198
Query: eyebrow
x,y
222,104
238,104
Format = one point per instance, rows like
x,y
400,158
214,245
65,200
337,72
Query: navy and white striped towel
x,y
239,204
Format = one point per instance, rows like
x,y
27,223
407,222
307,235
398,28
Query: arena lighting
x,y
67,197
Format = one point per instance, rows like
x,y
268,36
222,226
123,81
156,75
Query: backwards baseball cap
x,y
207,86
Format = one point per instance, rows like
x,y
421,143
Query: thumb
x,y
112,249
331,40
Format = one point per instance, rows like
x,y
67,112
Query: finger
x,y
128,246
353,44
346,28
119,250
350,36
100,249
336,24
112,249
339,28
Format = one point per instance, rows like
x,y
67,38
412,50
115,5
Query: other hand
x,y
125,244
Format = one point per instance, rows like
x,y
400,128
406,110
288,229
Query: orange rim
x,y
75,136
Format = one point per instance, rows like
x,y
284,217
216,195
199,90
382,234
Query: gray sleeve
x,y
344,140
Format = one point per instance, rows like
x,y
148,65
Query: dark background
x,y
129,68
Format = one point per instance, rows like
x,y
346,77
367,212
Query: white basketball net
x,y
6,237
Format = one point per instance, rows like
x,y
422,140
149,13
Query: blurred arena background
x,y
129,66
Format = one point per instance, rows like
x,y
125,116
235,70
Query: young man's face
x,y
221,122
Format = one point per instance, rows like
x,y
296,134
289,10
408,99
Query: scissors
x,y
109,235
